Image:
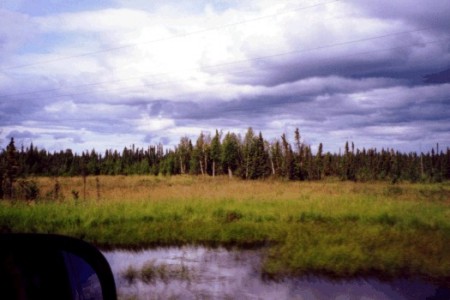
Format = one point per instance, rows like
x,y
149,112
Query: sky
x,y
113,73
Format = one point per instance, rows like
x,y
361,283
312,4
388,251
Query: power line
x,y
232,63
238,71
135,77
167,38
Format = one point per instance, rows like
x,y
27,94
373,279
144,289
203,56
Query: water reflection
x,y
197,272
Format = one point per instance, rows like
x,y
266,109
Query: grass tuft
x,y
151,272
130,274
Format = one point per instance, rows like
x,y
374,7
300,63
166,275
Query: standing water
x,y
203,273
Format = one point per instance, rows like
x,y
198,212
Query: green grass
x,y
335,228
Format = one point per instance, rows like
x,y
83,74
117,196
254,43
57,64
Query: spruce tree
x,y
319,165
247,151
2,172
215,152
309,164
288,159
11,168
230,153
348,169
260,167
447,164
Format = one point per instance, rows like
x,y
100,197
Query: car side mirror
x,y
42,266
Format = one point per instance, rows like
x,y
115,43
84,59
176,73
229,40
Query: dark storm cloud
x,y
393,57
436,78
431,14
433,111
239,109
310,94
16,111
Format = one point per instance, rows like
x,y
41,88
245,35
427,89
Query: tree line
x,y
248,157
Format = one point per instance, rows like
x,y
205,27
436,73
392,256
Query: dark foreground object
x,y
35,266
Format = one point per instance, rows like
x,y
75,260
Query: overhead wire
x,y
227,64
37,92
132,45
237,71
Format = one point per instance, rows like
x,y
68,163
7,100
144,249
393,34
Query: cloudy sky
x,y
111,73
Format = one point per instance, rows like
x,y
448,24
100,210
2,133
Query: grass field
x,y
328,227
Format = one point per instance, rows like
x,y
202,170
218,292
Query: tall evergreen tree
x,y
447,164
92,163
247,151
348,171
230,153
288,159
258,159
299,157
309,169
328,169
11,169
2,175
216,152
319,165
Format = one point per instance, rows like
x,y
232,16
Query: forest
x,y
248,157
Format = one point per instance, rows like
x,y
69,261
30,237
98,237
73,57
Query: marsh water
x,y
203,273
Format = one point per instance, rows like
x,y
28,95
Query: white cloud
x,y
148,124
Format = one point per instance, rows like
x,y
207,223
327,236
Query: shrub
x,y
75,195
28,190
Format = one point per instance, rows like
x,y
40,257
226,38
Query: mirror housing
x,y
47,266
